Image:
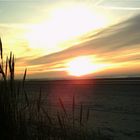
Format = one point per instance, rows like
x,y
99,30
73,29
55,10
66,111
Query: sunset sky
x,y
72,38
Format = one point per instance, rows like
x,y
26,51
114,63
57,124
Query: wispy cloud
x,y
118,45
119,4
121,37
121,8
98,2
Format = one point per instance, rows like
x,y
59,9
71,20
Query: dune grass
x,y
25,118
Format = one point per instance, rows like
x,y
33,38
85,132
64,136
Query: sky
x,y
73,38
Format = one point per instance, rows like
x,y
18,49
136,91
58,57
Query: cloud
x,y
14,39
118,45
121,39
119,5
98,2
121,8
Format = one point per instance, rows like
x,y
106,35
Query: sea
x,y
113,103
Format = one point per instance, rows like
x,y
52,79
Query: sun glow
x,y
65,23
80,66
83,65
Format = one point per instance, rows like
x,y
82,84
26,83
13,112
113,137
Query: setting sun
x,y
80,66
84,65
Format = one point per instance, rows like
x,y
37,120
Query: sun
x,y
80,66
85,65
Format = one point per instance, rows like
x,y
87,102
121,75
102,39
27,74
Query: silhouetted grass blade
x,y
62,106
1,51
81,114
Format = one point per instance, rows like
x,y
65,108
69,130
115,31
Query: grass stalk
x,y
62,106
81,114
73,111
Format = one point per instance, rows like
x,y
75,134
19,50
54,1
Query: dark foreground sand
x,y
114,103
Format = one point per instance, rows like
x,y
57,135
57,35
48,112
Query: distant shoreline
x,y
103,81
76,79
110,81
